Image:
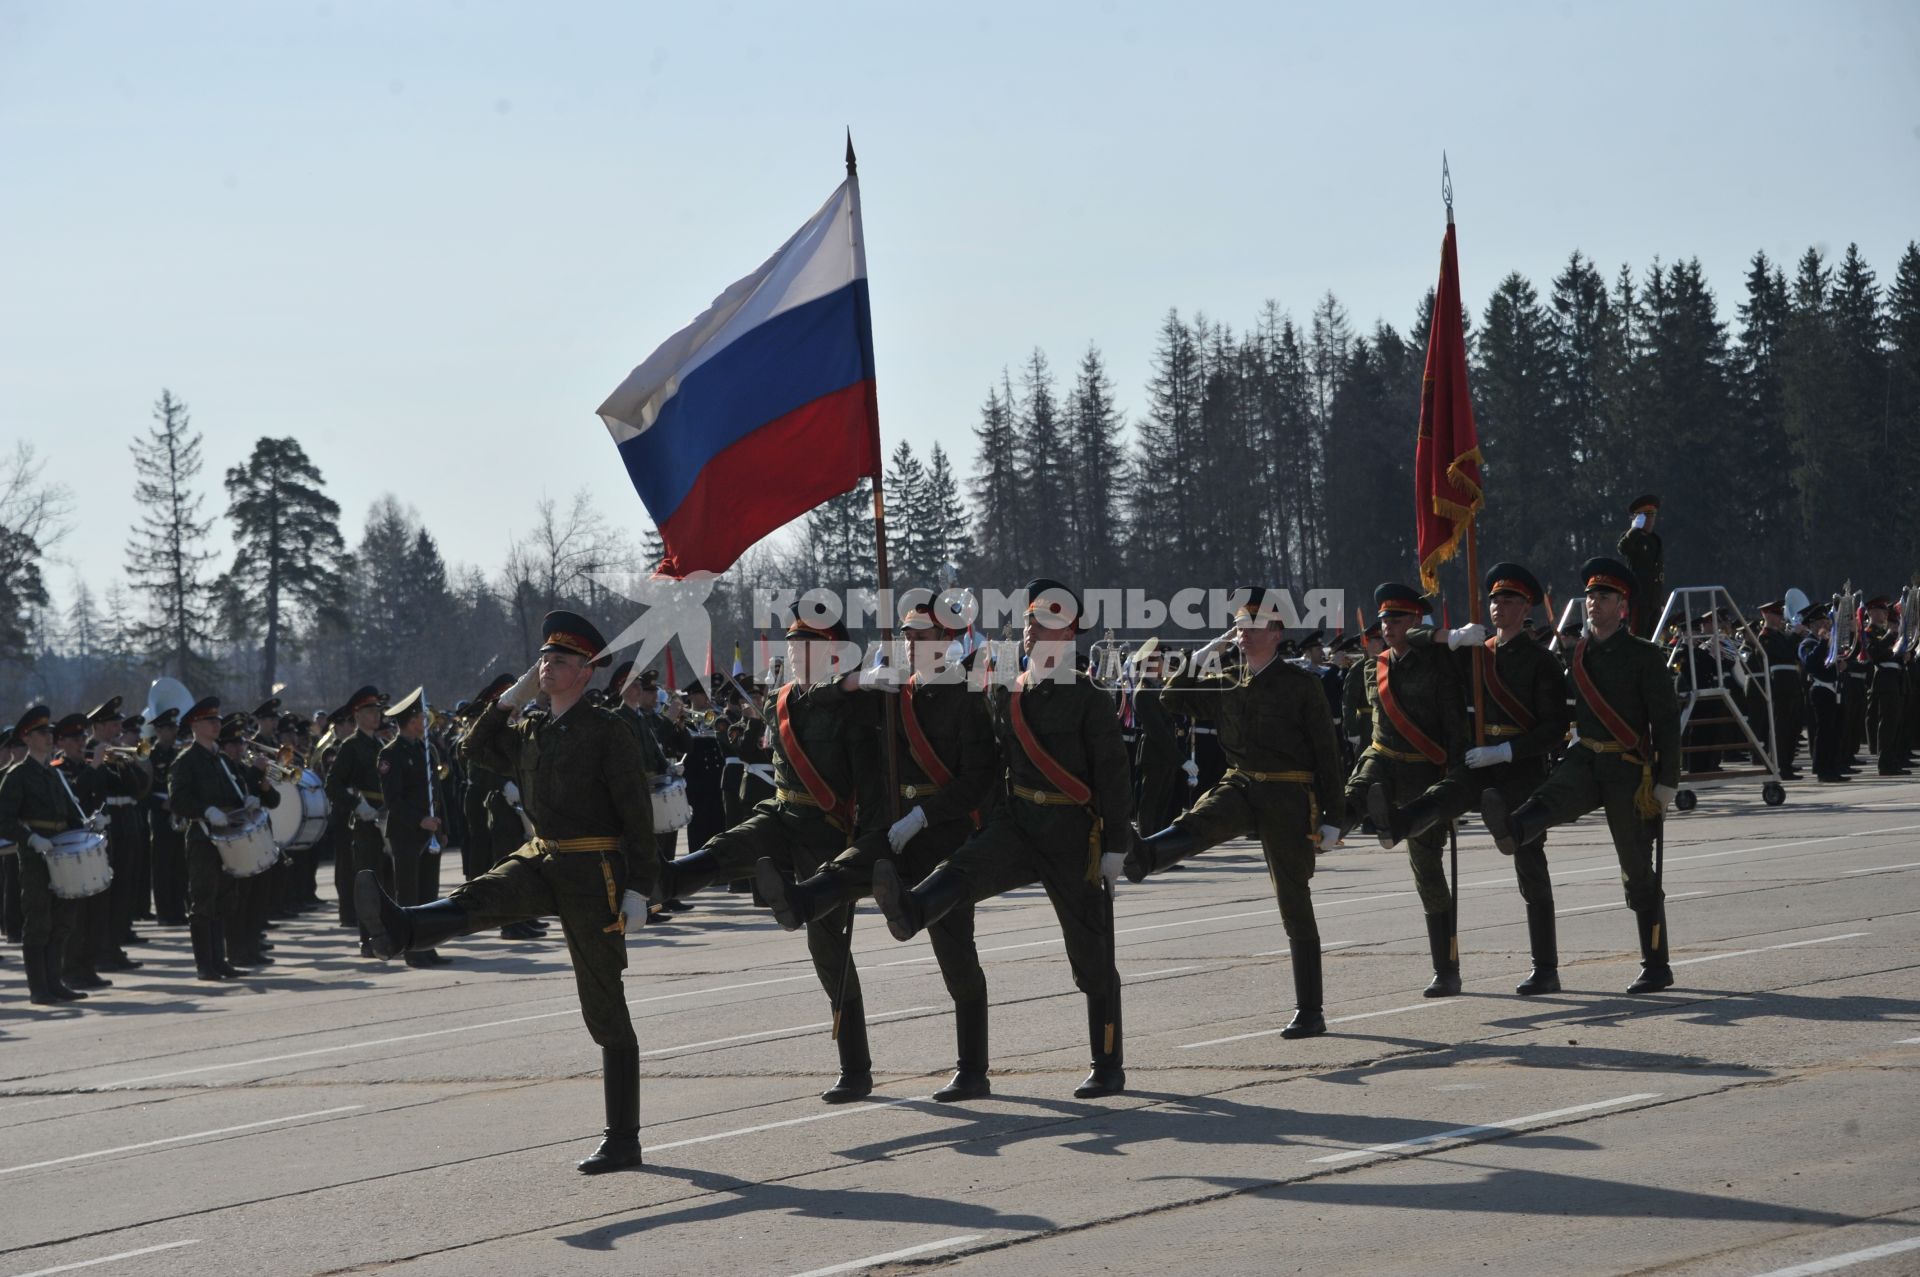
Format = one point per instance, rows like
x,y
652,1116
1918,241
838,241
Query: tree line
x,y
1785,442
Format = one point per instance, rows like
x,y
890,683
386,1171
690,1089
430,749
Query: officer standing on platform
x,y
1626,760
1646,558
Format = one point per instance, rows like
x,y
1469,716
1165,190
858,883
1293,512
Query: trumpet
x,y
279,765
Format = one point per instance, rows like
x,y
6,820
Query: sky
x,y
427,238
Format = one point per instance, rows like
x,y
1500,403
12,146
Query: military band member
x,y
414,808
1062,818
1417,760
1824,677
169,847
1626,759
91,938
201,793
1283,770
353,787
1781,651
247,902
1645,557
35,806
947,768
830,791
585,789
705,760
1887,695
483,847
1525,702
12,750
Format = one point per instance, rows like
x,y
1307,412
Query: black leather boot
x,y
1513,830
969,1080
910,912
1546,952
1446,967
1161,851
856,1063
39,991
1655,973
1108,1075
795,904
1309,1020
685,875
204,966
620,1084
57,987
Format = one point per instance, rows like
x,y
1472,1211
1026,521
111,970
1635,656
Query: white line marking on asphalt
x,y
1344,1019
1797,944
1897,829
1847,1260
108,1259
1880,869
1621,904
176,1139
774,1033
847,1111
1908,1042
1162,971
1332,944
873,1261
1461,1132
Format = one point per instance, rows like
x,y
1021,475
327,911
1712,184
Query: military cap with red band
x,y
1390,598
1607,574
207,707
1053,604
570,632
799,627
1511,578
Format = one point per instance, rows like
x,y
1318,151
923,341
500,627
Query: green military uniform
x,y
92,946
248,906
353,789
411,794
1602,771
1356,712
1781,652
1645,557
169,849
1283,771
33,803
1887,695
199,779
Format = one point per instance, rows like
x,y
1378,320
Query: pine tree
x,y
1048,521
1093,430
1766,499
32,515
1166,501
1529,462
996,493
942,519
165,559
906,501
1903,407
1583,356
287,534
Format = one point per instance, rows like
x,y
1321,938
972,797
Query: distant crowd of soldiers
x,y
550,787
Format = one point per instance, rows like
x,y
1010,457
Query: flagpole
x,y
1473,615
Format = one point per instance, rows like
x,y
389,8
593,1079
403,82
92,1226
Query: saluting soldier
x,y
1062,818
1418,752
947,766
590,861
1283,771
1626,760
1781,651
1646,558
36,805
353,787
830,790
414,808
1525,703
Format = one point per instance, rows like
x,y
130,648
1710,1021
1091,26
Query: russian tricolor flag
x,y
763,407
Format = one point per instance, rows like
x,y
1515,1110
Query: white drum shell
x,y
671,807
301,818
247,850
77,866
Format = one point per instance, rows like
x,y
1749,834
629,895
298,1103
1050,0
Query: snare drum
x,y
671,807
301,817
246,850
77,865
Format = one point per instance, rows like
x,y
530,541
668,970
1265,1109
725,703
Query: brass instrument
x,y
279,765
1845,633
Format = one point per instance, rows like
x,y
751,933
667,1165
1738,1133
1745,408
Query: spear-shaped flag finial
x,y
850,159
1446,182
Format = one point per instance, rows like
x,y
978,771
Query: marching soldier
x,y
590,860
1061,819
413,806
947,766
200,792
1887,695
830,793
1626,759
1284,769
1646,558
1418,752
353,787
1782,654
1526,711
36,805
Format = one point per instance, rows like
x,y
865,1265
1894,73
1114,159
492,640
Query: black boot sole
x,y
1537,983
890,894
1652,982
1099,1086
1380,812
847,1090
370,903
1493,810
1442,986
1304,1026
601,1161
773,888
964,1086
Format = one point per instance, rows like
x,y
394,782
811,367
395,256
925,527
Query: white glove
x,y
41,844
98,822
363,811
215,817
1113,866
1192,769
253,803
1329,836
511,792
1663,794
634,906
1490,755
903,829
1466,636
522,691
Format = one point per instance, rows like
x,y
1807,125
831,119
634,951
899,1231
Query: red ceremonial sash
x,y
1609,716
837,808
1398,717
1510,704
1057,776
921,748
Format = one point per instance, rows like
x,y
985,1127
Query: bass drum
x,y
301,817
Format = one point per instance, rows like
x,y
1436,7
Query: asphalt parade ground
x,y
336,1115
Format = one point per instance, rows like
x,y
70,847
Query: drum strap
x,y
71,796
